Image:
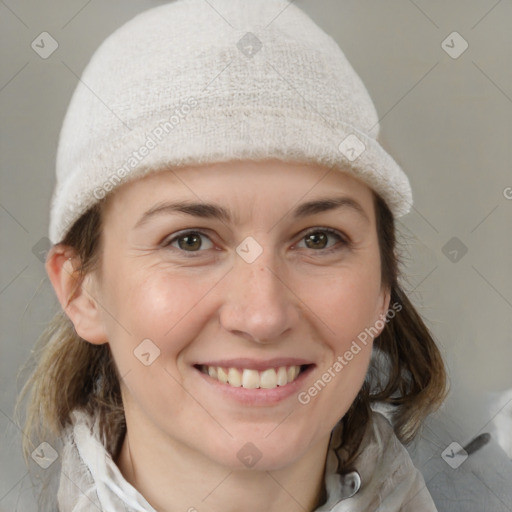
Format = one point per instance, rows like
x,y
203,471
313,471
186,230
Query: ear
x,y
385,300
75,293
383,306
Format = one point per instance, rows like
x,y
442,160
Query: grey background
x,y
447,121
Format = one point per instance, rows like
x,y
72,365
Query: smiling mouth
x,y
247,378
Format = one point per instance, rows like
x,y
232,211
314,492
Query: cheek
x,y
347,308
347,303
154,316
156,305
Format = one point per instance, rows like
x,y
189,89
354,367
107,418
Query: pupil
x,y
190,242
318,240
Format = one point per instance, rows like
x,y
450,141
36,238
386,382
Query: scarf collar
x,y
382,478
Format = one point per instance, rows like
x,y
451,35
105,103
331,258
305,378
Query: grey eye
x,y
190,241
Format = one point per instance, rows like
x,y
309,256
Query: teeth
x,y
268,379
282,376
293,371
252,379
234,378
222,375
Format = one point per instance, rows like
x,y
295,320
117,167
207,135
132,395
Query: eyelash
x,y
344,241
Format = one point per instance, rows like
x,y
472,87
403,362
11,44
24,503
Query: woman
x,y
225,259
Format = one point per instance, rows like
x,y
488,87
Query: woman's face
x,y
234,271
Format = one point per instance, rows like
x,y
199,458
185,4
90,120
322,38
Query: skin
x,y
294,300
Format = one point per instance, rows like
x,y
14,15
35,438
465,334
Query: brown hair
x,y
72,373
409,375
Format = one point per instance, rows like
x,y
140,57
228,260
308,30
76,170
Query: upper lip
x,y
256,364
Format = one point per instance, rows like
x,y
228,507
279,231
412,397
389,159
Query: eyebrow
x,y
327,204
214,211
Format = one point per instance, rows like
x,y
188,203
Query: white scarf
x,y
386,478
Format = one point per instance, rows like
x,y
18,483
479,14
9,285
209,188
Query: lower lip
x,y
259,396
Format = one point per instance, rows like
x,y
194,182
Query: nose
x,y
258,303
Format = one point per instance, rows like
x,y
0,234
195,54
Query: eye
x,y
318,238
189,241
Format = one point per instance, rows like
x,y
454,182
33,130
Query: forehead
x,y
256,186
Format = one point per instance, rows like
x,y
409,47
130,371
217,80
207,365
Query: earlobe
x,y
385,299
74,295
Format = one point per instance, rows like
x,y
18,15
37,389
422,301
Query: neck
x,y
193,482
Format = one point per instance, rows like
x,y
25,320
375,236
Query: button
x,y
350,484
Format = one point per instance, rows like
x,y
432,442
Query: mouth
x,y
250,378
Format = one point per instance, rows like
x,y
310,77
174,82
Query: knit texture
x,y
193,82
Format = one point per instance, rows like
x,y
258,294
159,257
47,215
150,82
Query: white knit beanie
x,y
191,82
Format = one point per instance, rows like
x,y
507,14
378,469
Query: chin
x,y
259,453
